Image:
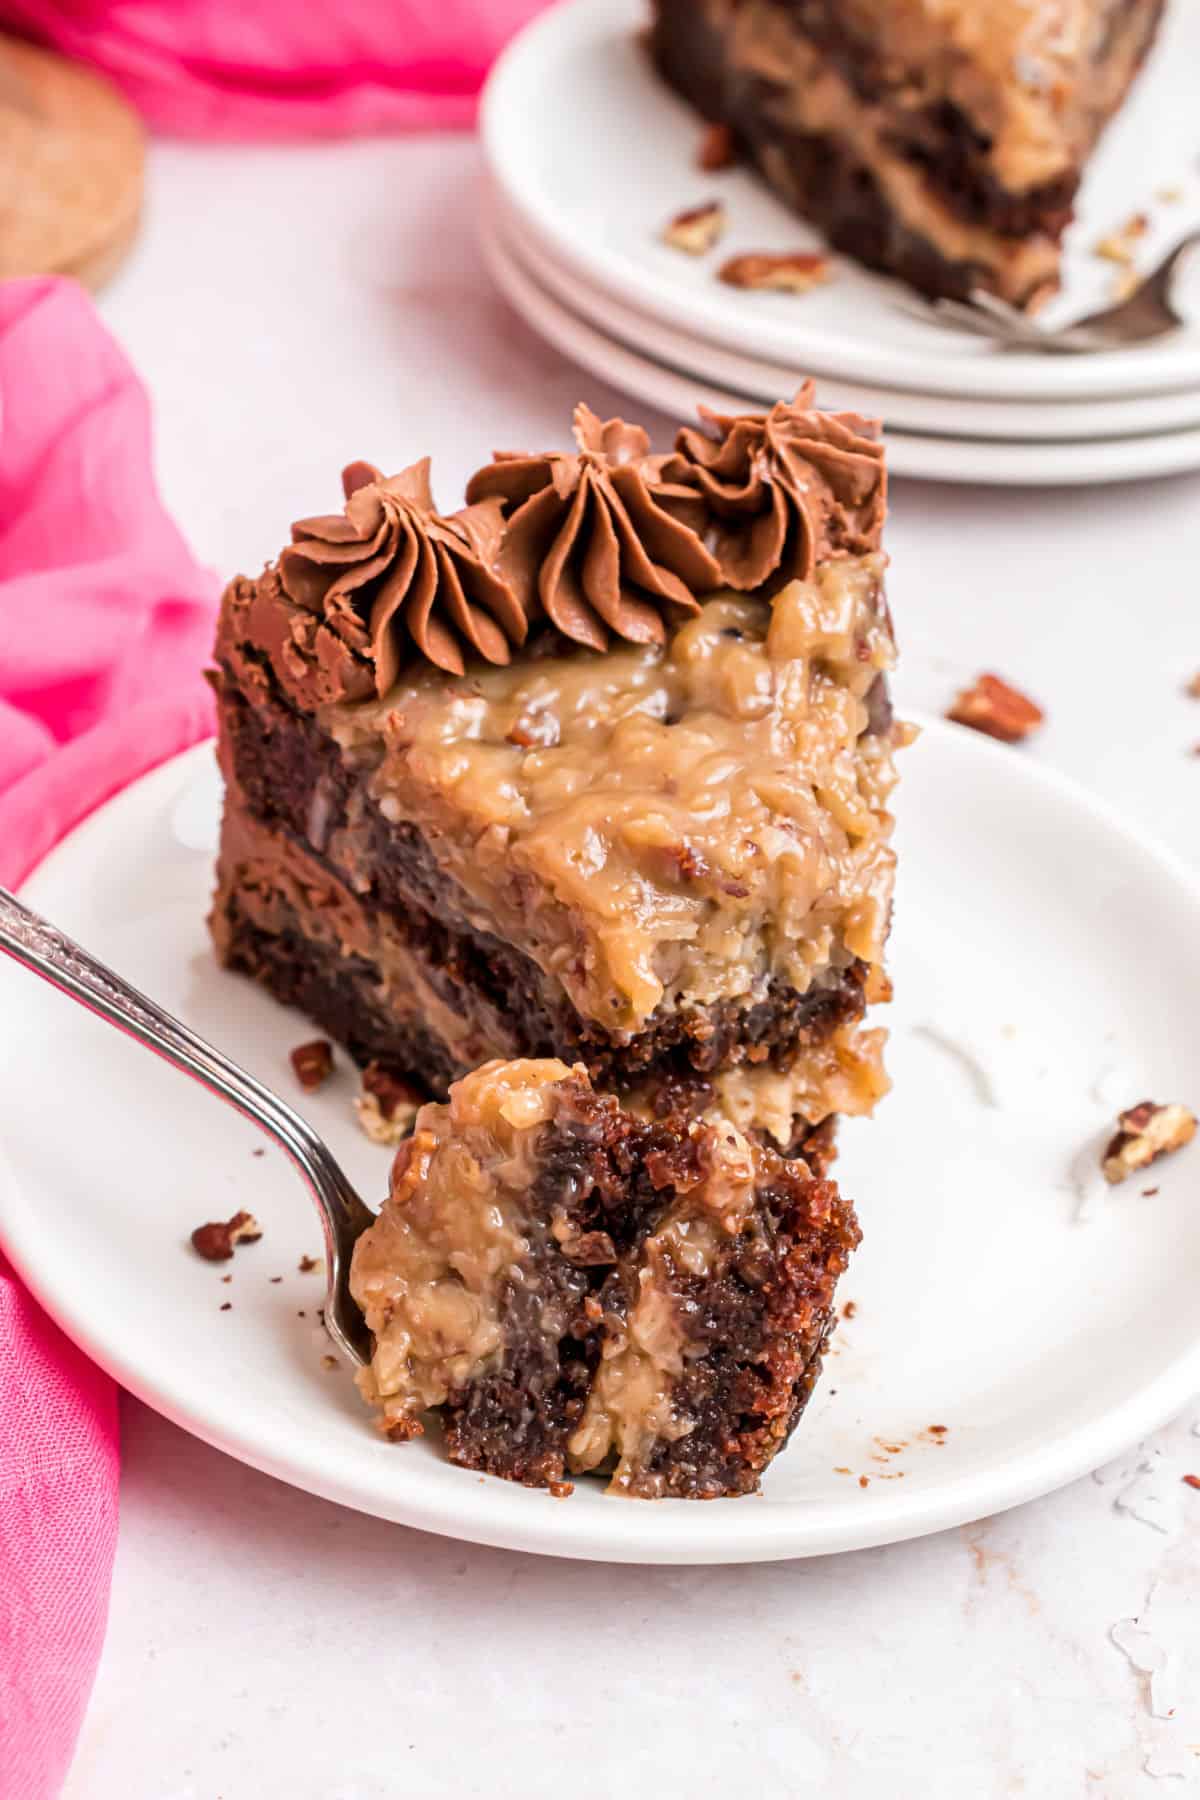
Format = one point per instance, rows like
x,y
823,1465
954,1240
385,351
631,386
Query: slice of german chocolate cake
x,y
595,769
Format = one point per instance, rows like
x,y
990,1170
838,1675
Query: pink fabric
x,y
282,68
105,625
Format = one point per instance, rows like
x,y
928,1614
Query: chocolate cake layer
x,y
290,778
575,1290
342,995
944,145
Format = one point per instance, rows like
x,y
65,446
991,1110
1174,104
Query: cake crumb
x,y
717,149
301,1314
864,1481
1144,1133
275,1279
838,1470
561,1490
387,1105
1126,282
1192,1481
226,1306
215,1241
227,1278
794,272
329,1362
1149,1193
997,709
697,229
313,1063
259,1152
850,1309
307,1264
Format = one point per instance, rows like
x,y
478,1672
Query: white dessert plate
x,y
1042,955
978,460
942,415
596,154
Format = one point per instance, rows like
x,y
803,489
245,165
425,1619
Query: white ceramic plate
x,y
943,415
1028,920
927,456
596,155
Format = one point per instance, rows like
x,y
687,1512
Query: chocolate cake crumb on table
x,y
594,769
940,140
574,1290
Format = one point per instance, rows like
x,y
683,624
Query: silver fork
x,y
40,946
1144,317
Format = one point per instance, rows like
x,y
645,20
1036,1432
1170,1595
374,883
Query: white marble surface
x,y
289,310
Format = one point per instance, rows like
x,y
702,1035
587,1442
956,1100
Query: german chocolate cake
x,y
940,140
593,771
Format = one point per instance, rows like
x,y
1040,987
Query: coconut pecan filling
x,y
666,825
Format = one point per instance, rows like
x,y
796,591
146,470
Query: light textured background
x,y
291,310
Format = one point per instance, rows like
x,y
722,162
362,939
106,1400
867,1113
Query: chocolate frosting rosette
x,y
602,541
390,574
783,491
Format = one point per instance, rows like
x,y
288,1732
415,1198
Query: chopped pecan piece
x,y
1146,1132
387,1105
793,273
697,229
215,1242
313,1063
996,709
307,1264
718,149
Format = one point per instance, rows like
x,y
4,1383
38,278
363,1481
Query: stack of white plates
x,y
589,156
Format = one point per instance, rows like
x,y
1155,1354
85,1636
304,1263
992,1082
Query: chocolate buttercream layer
x,y
602,541
360,593
576,1290
380,954
785,490
942,142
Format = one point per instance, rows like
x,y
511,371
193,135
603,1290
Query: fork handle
x,y
37,944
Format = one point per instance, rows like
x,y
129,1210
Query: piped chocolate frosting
x,y
608,541
785,490
600,541
390,572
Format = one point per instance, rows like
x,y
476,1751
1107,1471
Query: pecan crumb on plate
x,y
696,229
1117,246
313,1063
997,709
792,273
718,149
215,1241
307,1264
1193,687
1146,1132
1192,1481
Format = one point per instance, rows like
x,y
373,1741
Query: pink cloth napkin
x,y
105,625
281,68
